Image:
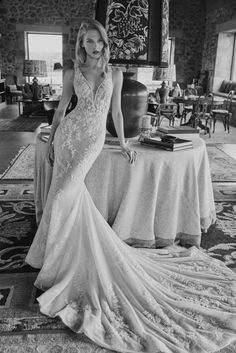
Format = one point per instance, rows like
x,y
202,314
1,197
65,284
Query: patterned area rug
x,y
224,191
17,229
57,341
22,166
16,191
220,240
223,167
21,124
61,342
18,226
22,327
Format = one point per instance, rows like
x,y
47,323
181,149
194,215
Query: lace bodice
x,y
91,109
81,133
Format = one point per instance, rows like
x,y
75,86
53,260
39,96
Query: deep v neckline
x,y
93,92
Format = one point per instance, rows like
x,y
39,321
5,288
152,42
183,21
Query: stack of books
x,y
169,143
45,132
185,132
45,129
111,142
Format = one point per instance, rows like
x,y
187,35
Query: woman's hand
x,y
128,153
50,153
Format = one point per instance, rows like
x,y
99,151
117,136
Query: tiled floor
x,y
11,142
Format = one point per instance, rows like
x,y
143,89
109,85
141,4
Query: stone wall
x,y
186,20
187,25
193,24
45,15
217,12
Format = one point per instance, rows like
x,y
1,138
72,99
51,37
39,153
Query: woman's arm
x,y
67,92
117,116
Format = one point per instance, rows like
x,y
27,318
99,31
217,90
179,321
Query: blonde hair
x,y
80,53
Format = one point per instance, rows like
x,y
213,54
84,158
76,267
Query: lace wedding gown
x,y
123,298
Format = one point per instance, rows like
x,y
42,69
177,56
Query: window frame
x,y
233,61
27,49
154,84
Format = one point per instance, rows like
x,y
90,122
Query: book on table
x,y
182,129
45,129
111,142
186,132
114,142
170,143
44,138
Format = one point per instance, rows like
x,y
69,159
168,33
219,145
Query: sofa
x,y
225,87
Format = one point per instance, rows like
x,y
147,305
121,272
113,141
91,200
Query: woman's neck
x,y
93,63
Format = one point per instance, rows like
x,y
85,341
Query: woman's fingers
x,y
50,156
134,156
51,159
130,155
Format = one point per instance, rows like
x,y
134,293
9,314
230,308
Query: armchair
x,y
12,89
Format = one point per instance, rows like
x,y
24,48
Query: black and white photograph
x,y
117,176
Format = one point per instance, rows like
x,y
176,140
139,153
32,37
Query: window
x,y
144,74
48,47
225,65
233,62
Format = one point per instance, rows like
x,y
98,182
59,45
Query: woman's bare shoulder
x,y
69,69
117,73
69,75
69,64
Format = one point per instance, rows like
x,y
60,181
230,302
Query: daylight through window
x,y
48,47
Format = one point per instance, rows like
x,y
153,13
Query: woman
x,y
125,299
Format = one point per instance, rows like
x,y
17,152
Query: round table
x,y
194,100
164,196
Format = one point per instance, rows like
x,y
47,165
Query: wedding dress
x,y
123,298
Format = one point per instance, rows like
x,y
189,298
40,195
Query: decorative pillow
x,y
228,85
46,90
37,92
27,91
223,85
12,87
233,86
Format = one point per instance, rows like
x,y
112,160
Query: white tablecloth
x,y
163,197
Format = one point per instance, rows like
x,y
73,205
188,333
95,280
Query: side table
x,y
28,107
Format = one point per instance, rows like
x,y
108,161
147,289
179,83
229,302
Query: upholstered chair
x,y
12,89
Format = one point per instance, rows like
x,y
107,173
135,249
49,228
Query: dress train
x,y
124,299
135,300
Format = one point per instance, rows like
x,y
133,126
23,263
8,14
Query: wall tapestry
x,y
138,30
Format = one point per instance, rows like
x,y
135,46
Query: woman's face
x,y
93,43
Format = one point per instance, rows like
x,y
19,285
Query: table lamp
x,y
165,74
34,68
57,67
